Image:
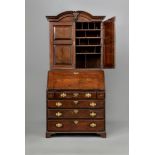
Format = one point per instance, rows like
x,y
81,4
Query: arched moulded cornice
x,y
74,16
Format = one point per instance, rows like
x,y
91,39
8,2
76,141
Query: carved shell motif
x,y
75,15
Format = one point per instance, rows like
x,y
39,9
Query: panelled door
x,y
62,45
109,43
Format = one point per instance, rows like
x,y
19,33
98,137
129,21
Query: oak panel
x,y
62,32
63,54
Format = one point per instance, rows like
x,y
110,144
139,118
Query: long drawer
x,y
75,125
75,104
75,95
75,113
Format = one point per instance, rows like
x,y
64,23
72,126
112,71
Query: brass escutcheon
x,y
75,94
76,102
76,122
75,73
76,111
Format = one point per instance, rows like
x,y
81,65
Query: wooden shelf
x,y
88,53
87,45
88,29
88,37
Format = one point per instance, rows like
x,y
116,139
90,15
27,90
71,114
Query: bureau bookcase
x,y
81,46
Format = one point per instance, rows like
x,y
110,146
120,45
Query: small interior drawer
x,y
72,95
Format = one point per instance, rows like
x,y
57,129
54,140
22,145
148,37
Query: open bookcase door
x,y
109,43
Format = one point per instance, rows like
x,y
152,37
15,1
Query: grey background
x,y
37,65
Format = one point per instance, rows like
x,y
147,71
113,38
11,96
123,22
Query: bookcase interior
x,y
88,44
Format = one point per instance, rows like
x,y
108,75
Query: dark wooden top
x,y
75,15
76,79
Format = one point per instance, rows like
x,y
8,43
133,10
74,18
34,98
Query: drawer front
x,y
75,103
101,95
50,95
75,113
72,95
75,125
